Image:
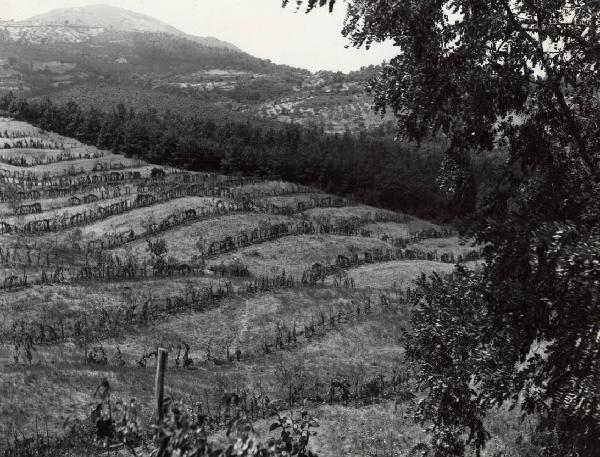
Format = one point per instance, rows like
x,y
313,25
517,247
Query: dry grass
x,y
399,230
386,430
52,303
65,211
346,212
181,241
265,186
70,144
240,322
453,244
12,125
295,254
380,429
400,273
137,219
79,165
360,348
29,154
49,204
53,393
291,200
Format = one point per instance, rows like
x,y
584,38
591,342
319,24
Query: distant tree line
x,y
149,57
370,166
162,49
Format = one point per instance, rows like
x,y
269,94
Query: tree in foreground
x,y
520,76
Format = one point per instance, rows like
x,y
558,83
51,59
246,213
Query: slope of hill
x,y
140,58
249,290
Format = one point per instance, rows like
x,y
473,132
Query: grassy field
x,y
50,213
400,273
239,322
77,165
399,229
397,274
137,219
30,154
68,301
182,241
453,244
291,200
339,353
267,186
53,204
295,254
346,212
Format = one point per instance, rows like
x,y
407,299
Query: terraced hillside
x,y
272,290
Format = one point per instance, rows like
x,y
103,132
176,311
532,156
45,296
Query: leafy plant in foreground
x,y
180,434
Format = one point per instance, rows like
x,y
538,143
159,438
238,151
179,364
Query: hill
x,y
82,47
106,16
82,23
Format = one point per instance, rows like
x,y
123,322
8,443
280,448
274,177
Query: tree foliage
x,y
521,74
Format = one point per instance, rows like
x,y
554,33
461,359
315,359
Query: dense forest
x,y
371,167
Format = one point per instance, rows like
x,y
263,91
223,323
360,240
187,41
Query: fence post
x,y
161,364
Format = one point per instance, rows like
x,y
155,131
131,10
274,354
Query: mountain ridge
x,y
114,18
107,51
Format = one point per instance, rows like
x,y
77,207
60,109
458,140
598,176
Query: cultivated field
x,y
248,291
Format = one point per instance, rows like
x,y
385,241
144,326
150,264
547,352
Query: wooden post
x,y
161,365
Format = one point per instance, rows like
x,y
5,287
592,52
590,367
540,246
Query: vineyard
x,y
279,293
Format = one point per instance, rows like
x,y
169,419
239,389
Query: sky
x,y
260,27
